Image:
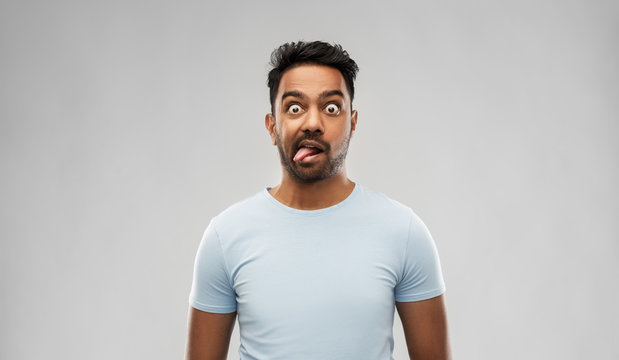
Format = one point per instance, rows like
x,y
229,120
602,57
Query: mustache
x,y
313,137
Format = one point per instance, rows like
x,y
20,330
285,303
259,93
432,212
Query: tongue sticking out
x,y
305,152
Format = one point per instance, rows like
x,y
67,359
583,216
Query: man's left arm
x,y
425,328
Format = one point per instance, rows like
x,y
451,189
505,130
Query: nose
x,y
313,122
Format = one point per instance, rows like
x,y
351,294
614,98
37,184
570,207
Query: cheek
x,y
285,131
281,135
342,132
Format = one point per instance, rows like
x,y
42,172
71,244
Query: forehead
x,y
312,80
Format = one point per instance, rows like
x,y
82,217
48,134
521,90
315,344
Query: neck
x,y
314,195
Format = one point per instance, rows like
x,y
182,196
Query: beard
x,y
312,172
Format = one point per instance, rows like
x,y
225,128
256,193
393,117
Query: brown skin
x,y
311,110
425,328
312,81
209,335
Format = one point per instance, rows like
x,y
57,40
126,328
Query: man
x,y
315,266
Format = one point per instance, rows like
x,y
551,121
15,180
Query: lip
x,y
310,143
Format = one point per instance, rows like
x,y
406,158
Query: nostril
x,y
316,131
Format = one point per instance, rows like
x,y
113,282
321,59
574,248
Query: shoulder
x,y
383,204
392,213
245,211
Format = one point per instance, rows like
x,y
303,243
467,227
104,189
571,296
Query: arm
x,y
209,335
425,328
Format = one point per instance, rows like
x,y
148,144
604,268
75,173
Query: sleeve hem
x,y
423,296
212,308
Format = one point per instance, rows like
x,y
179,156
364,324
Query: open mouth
x,y
306,151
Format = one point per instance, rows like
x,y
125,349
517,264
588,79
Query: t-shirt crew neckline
x,y
315,212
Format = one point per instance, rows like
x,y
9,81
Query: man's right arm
x,y
209,335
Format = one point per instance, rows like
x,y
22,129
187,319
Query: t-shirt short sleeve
x,y
421,274
211,290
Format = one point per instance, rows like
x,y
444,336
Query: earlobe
x,y
269,123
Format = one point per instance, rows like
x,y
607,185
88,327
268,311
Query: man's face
x,y
312,122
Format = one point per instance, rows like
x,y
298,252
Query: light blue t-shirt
x,y
315,284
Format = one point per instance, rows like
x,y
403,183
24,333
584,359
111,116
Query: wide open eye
x,y
294,109
332,109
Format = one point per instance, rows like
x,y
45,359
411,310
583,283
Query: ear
x,y
269,123
353,121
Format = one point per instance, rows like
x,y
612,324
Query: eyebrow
x,y
324,94
293,94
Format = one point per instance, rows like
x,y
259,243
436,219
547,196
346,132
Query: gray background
x,y
127,125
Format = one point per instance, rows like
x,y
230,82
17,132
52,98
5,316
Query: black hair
x,y
293,54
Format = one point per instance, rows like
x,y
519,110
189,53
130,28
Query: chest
x,y
354,271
